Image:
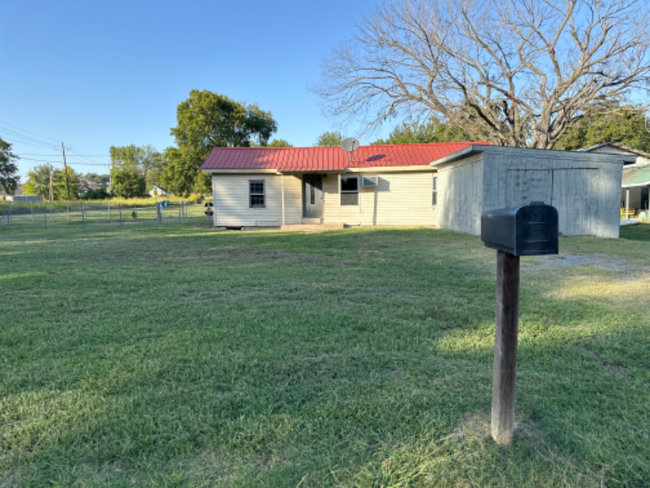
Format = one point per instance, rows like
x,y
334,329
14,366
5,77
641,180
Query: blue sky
x,y
96,74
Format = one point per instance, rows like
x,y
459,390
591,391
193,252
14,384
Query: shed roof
x,y
636,176
618,146
525,152
321,159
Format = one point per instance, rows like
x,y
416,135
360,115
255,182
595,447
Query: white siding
x,y
231,200
399,199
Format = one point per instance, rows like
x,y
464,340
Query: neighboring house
x,y
19,197
157,191
83,189
447,185
636,175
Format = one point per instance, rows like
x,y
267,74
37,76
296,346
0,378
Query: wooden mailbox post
x,y
530,230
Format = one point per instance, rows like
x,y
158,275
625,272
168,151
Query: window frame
x,y
434,191
348,192
251,194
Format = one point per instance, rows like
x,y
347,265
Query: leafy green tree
x,y
206,120
329,139
38,182
273,143
60,185
180,175
8,169
433,130
624,125
144,161
279,143
128,182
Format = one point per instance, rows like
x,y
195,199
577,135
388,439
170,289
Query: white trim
x,y
282,183
358,192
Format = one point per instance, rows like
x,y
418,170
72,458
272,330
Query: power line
x,y
57,155
27,139
33,141
29,132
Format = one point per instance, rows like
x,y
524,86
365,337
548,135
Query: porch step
x,y
311,227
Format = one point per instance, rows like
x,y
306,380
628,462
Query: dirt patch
x,y
627,270
473,426
600,261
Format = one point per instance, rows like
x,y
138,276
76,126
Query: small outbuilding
x,y
584,187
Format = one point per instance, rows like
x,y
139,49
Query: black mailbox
x,y
530,230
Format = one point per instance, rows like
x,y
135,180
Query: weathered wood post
x,y
505,348
530,230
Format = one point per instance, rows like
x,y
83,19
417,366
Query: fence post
x,y
119,206
109,212
45,215
31,210
11,215
67,211
158,213
83,215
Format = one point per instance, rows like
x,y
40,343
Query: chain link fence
x,y
44,215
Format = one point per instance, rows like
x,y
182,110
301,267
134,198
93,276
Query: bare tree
x,y
515,72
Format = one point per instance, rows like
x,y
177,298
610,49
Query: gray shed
x,y
584,187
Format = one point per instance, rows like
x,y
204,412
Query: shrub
x,y
97,194
194,198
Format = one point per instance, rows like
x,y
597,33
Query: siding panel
x,y
399,199
231,200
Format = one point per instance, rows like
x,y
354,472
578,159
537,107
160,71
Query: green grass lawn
x,y
184,356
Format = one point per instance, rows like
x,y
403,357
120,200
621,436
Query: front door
x,y
312,196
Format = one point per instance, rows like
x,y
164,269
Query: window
x,y
256,192
434,192
349,190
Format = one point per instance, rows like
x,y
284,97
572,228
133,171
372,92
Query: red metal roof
x,y
305,159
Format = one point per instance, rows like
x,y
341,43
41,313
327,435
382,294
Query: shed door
x,y
312,196
572,191
528,185
576,200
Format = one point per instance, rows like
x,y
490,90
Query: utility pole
x,y
51,187
65,166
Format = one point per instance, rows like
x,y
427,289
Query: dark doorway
x,y
312,196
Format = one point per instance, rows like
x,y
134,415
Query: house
x,y
157,191
447,185
19,197
375,185
636,175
